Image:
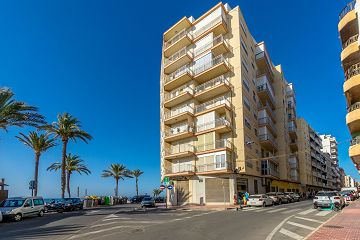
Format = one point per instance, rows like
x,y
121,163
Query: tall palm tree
x,y
156,192
67,128
73,164
117,171
39,143
16,113
137,173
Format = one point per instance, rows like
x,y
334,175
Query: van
x,y
20,207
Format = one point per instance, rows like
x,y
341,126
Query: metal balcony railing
x,y
218,144
185,128
213,124
177,55
212,83
267,137
349,7
213,62
213,23
213,103
351,40
269,172
175,93
266,87
221,165
178,111
292,128
214,42
184,69
353,107
180,168
352,71
178,36
267,121
268,108
179,149
355,141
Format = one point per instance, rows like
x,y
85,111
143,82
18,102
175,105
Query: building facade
x,y
349,181
228,115
330,148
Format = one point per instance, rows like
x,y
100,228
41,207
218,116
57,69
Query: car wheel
x,y
18,217
41,213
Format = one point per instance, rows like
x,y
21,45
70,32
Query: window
x,y
247,123
220,161
256,131
245,83
254,96
245,65
244,47
243,28
256,189
246,102
28,203
38,202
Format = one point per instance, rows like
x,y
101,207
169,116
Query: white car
x,y
261,200
325,198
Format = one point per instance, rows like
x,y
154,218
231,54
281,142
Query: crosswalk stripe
x,y
115,218
290,234
300,225
95,232
307,211
277,210
323,213
248,209
291,210
309,219
261,210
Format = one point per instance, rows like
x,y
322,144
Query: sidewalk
x,y
200,207
345,225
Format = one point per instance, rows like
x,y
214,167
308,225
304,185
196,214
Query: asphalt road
x,y
287,221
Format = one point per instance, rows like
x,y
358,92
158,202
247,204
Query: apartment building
x,y
349,181
226,112
348,28
330,149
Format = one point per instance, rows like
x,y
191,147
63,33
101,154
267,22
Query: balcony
x,y
351,49
178,133
218,145
269,169
268,142
178,96
220,125
177,42
181,151
353,117
265,94
218,45
215,168
178,59
354,150
178,115
180,170
293,145
347,15
178,78
267,122
217,26
215,67
215,87
183,23
265,66
268,110
352,80
292,131
220,105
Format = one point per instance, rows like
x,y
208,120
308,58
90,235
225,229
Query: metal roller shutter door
x,y
215,188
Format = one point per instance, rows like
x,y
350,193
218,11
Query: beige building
x,y
226,112
348,28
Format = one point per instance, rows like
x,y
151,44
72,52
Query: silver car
x,y
17,208
262,200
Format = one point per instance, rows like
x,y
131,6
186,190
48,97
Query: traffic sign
x,y
32,185
162,187
170,187
166,180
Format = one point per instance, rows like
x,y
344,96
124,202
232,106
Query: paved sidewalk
x,y
345,225
200,207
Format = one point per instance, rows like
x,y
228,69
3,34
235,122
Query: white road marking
x,y
249,209
300,225
307,211
290,234
310,220
277,210
262,210
323,213
115,218
291,210
269,237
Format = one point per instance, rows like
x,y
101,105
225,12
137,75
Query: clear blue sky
x,y
100,61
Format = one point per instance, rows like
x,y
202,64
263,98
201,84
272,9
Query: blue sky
x,y
100,61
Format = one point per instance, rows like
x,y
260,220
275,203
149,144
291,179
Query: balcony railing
x,y
266,137
208,26
354,107
266,87
292,129
269,169
215,61
212,83
218,144
221,165
175,93
214,42
212,103
213,124
185,128
179,149
267,121
352,71
355,141
178,111
177,55
184,69
351,40
178,36
180,168
349,7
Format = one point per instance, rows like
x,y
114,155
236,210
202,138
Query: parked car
x,y
325,198
20,207
159,200
354,189
275,197
138,199
290,197
54,205
72,204
348,195
260,200
284,198
295,197
148,202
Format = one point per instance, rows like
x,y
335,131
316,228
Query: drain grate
x,y
333,226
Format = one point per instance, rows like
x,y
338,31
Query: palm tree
x,y
117,171
156,192
16,113
67,128
137,173
39,143
73,164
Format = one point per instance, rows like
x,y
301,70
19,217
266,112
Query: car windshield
x,y
271,194
12,203
255,196
329,194
147,199
346,192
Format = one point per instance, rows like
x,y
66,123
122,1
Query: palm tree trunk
x,y
68,183
63,163
137,187
117,187
37,159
